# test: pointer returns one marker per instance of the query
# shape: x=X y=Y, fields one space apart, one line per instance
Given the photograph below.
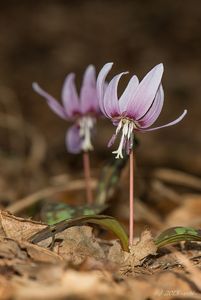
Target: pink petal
x=128 y=94
x=69 y=96
x=88 y=93
x=51 y=101
x=111 y=102
x=73 y=140
x=101 y=85
x=145 y=94
x=166 y=125
x=153 y=113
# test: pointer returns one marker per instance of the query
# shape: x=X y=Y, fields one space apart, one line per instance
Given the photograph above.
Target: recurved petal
x=101 y=85
x=73 y=140
x=128 y=93
x=51 y=101
x=69 y=96
x=153 y=113
x=88 y=93
x=140 y=103
x=166 y=125
x=110 y=101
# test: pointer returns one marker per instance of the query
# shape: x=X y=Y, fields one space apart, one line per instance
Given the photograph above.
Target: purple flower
x=81 y=111
x=138 y=107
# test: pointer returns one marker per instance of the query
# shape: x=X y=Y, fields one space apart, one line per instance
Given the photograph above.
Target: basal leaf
x=107 y=222
x=52 y=212
x=178 y=234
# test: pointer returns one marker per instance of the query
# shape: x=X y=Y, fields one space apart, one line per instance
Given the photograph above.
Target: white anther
x=86 y=125
x=127 y=127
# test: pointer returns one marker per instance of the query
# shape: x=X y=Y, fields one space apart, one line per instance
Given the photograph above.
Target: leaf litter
x=78 y=257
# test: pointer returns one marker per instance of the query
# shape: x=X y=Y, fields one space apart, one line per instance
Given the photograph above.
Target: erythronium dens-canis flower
x=82 y=111
x=136 y=110
x=138 y=107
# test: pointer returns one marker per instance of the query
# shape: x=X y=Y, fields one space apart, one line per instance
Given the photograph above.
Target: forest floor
x=44 y=42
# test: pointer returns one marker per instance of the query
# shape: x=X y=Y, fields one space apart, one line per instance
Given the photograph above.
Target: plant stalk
x=87 y=175
x=131 y=199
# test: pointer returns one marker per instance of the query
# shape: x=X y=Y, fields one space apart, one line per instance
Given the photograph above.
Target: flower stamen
x=127 y=127
x=86 y=125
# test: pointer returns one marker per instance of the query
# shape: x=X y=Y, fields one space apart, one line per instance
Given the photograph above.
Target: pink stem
x=86 y=164
x=131 y=199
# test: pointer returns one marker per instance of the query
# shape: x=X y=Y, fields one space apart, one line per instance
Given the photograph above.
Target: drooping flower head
x=138 y=107
x=81 y=110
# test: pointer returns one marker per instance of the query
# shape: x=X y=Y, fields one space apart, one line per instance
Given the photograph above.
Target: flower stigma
x=126 y=141
x=86 y=125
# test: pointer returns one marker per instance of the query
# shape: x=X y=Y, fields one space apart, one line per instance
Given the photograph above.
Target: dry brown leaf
x=6 y=289
x=10 y=249
x=98 y=285
x=46 y=273
x=22 y=250
x=139 y=251
x=188 y=214
x=92 y=264
x=164 y=198
x=140 y=289
x=164 y=285
x=176 y=177
x=72 y=285
x=194 y=274
x=169 y=285
x=18 y=228
x=40 y=254
x=116 y=254
x=77 y=244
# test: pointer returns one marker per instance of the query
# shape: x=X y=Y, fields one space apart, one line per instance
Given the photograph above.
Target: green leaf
x=178 y=234
x=106 y=222
x=109 y=179
x=54 y=212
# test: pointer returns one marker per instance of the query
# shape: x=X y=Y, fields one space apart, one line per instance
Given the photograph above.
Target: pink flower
x=81 y=111
x=138 y=107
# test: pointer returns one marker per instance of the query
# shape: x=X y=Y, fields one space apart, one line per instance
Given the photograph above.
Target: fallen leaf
x=116 y=254
x=187 y=214
x=72 y=285
x=139 y=251
x=6 y=288
x=10 y=249
x=176 y=177
x=18 y=228
x=77 y=243
x=40 y=254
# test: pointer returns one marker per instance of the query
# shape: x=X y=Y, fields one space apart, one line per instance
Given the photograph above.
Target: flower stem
x=131 y=199
x=86 y=165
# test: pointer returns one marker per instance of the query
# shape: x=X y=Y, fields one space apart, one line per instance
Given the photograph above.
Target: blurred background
x=45 y=40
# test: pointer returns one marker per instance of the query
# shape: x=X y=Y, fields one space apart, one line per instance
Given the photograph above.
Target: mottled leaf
x=52 y=212
x=107 y=222
x=178 y=234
